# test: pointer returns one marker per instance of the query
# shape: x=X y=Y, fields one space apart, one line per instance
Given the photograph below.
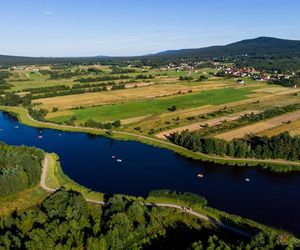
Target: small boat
x=119 y=160
x=1 y=129
x=113 y=157
x=16 y=126
x=247 y=179
x=200 y=175
x=40 y=137
x=60 y=134
x=41 y=131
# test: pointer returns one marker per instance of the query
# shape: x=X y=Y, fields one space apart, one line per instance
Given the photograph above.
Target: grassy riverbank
x=55 y=179
x=273 y=165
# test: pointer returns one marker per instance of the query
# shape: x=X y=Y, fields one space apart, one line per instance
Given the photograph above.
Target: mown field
x=158 y=105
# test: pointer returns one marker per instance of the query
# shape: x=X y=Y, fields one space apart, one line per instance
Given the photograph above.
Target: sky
x=138 y=27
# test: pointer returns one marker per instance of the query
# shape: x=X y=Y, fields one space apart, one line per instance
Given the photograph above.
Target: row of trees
x=282 y=146
x=20 y=168
x=109 y=125
x=102 y=78
x=11 y=99
x=290 y=82
x=66 y=221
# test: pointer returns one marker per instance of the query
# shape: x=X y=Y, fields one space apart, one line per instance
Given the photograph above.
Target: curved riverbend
x=268 y=197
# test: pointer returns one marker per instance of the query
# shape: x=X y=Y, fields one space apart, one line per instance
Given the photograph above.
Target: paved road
x=182 y=209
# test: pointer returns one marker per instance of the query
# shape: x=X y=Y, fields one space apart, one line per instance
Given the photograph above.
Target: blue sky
x=135 y=27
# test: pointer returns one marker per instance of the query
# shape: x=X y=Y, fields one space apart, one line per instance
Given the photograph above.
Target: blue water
x=268 y=198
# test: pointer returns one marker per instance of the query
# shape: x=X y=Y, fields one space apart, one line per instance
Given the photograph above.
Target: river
x=268 y=197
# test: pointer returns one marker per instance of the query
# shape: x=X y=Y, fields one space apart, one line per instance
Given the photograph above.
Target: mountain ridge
x=260 y=46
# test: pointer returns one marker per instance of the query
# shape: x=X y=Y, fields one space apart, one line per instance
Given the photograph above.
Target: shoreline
x=270 y=164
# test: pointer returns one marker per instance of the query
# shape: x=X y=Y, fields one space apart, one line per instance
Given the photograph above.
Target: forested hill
x=260 y=46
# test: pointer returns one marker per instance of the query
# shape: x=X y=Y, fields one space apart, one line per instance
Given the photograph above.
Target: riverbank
x=54 y=178
x=270 y=164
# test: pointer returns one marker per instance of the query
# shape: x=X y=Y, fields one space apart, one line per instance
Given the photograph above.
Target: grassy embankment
x=274 y=165
x=55 y=179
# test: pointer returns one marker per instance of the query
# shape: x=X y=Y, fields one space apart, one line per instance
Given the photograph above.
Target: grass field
x=125 y=95
x=156 y=106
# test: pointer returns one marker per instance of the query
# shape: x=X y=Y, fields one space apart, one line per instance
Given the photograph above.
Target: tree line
x=281 y=146
x=66 y=221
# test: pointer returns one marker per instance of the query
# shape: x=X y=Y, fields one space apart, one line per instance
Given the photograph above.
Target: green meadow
x=159 y=105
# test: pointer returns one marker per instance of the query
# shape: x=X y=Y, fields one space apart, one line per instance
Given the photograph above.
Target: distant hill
x=255 y=47
x=261 y=46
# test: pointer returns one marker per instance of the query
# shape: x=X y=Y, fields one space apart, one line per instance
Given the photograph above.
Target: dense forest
x=66 y=221
x=282 y=146
x=20 y=168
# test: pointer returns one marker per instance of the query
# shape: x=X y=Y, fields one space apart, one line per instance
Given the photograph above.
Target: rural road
x=182 y=209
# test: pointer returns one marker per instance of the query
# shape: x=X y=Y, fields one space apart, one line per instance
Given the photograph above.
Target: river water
x=268 y=198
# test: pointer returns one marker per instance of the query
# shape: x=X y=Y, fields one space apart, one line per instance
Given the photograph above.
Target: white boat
x=119 y=160
x=247 y=179
x=40 y=137
x=16 y=126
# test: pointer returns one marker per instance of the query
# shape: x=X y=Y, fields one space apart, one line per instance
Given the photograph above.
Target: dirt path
x=44 y=174
x=210 y=123
x=182 y=209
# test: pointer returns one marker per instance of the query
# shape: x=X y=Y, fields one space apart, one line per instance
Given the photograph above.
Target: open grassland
x=259 y=126
x=156 y=106
x=210 y=122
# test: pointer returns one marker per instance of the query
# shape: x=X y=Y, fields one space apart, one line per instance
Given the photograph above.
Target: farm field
x=211 y=122
x=293 y=127
x=259 y=126
x=117 y=96
x=144 y=104
x=171 y=120
x=155 y=106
